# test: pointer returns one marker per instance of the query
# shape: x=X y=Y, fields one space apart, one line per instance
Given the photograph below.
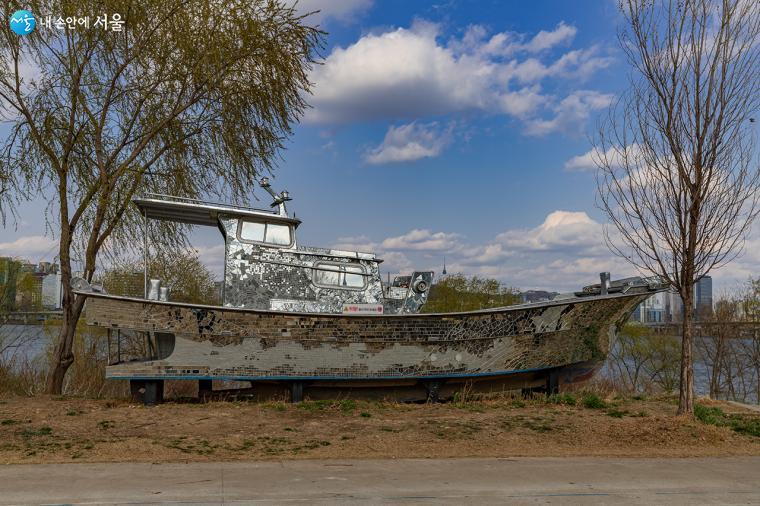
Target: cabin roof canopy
x=199 y=212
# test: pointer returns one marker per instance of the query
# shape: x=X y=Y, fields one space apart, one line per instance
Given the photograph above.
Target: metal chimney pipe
x=604 y=278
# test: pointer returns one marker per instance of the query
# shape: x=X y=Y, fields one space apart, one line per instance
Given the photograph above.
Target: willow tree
x=190 y=98
x=678 y=176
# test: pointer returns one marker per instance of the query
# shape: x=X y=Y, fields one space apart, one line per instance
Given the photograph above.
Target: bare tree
x=678 y=167
x=191 y=97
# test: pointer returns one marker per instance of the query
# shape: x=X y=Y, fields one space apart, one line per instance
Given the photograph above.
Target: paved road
x=414 y=481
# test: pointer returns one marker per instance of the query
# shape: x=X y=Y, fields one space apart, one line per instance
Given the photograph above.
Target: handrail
x=199 y=201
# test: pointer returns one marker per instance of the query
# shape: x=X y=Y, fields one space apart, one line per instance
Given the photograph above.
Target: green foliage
x=564 y=398
x=644 y=361
x=460 y=293
x=711 y=415
x=8 y=275
x=186 y=276
x=751 y=302
x=593 y=401
x=42 y=431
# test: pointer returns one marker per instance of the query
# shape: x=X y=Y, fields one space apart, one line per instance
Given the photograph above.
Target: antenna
x=443 y=272
x=279 y=200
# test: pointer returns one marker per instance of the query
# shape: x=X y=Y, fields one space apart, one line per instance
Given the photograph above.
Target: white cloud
x=422 y=239
x=413 y=141
x=582 y=162
x=213 y=258
x=614 y=156
x=547 y=39
x=571 y=113
x=564 y=252
x=31 y=247
x=341 y=10
x=409 y=73
x=559 y=231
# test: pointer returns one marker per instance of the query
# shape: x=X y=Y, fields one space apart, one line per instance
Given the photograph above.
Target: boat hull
x=570 y=337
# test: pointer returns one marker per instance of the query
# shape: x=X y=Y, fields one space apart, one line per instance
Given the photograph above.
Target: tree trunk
x=63 y=355
x=686 y=391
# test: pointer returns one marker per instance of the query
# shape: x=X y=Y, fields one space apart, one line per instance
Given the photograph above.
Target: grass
x=593 y=401
x=617 y=413
x=565 y=398
x=749 y=425
x=42 y=431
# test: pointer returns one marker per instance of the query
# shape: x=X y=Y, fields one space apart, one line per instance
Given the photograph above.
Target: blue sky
x=453 y=129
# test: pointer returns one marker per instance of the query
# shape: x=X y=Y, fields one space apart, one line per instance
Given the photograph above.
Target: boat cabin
x=265 y=268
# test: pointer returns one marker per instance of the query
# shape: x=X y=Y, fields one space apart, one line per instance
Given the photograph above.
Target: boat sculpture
x=314 y=319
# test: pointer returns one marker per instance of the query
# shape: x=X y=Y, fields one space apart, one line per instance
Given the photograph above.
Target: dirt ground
x=52 y=429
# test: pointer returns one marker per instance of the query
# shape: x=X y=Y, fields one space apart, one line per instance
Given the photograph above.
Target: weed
x=313 y=443
x=106 y=424
x=567 y=399
x=715 y=416
x=517 y=403
x=539 y=425
x=616 y=413
x=365 y=414
x=385 y=428
x=469 y=406
x=42 y=431
x=277 y=406
x=73 y=412
x=314 y=405
x=593 y=401
x=347 y=405
x=9 y=421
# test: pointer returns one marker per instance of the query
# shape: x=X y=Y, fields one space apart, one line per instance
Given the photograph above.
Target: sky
x=457 y=129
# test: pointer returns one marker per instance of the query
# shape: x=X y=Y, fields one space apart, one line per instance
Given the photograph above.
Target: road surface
x=411 y=481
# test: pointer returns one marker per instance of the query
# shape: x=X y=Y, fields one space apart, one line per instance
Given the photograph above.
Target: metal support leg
x=205 y=387
x=137 y=390
x=149 y=392
x=154 y=392
x=296 y=391
x=552 y=383
x=433 y=388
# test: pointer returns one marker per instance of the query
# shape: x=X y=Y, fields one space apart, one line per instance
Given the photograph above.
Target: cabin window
x=278 y=234
x=267 y=233
x=331 y=275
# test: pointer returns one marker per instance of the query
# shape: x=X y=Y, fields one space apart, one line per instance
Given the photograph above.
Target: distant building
x=28 y=287
x=652 y=310
x=52 y=291
x=703 y=296
x=667 y=307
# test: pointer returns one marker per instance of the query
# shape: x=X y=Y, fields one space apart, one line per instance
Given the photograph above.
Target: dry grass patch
x=52 y=429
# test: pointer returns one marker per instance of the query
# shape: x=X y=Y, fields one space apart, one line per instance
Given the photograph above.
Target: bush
x=593 y=401
x=567 y=399
x=738 y=423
